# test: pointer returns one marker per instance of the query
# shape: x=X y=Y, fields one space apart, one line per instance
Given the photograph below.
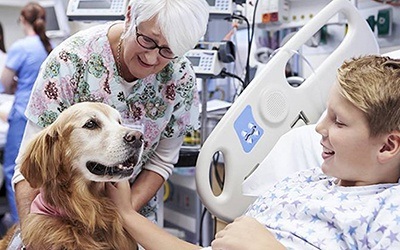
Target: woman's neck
x=28 y=29
x=117 y=47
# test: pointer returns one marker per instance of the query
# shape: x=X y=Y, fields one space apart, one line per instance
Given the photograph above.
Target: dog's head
x=88 y=141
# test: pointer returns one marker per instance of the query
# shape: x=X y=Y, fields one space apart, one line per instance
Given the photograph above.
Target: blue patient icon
x=247 y=129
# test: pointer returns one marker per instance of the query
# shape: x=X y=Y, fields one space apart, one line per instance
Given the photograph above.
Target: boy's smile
x=326 y=153
x=349 y=152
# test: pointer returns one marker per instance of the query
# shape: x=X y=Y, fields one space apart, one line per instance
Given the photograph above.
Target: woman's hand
x=245 y=233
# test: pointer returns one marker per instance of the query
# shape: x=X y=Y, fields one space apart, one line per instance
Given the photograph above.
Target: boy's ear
x=390 y=148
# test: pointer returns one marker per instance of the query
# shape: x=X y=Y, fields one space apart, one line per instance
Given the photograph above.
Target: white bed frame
x=269 y=106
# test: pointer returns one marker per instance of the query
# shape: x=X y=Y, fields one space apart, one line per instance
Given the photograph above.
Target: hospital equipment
x=205 y=62
x=221 y=8
x=57 y=23
x=272 y=12
x=96 y=9
x=183 y=209
x=209 y=63
x=269 y=106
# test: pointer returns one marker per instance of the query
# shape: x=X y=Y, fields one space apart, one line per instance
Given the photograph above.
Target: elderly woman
x=136 y=66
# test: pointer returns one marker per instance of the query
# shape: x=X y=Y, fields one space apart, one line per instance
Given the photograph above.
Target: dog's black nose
x=135 y=138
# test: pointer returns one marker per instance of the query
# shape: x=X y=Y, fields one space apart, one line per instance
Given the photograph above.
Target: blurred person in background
x=3 y=116
x=22 y=65
x=3 y=54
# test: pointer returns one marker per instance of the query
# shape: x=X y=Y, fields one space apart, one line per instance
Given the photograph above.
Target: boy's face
x=349 y=153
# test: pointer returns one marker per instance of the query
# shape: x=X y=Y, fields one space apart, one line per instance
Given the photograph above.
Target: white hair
x=182 y=22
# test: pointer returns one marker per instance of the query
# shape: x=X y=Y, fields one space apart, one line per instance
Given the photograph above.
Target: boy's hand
x=245 y=233
x=120 y=194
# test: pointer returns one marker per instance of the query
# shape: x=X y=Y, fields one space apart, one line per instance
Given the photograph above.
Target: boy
x=351 y=202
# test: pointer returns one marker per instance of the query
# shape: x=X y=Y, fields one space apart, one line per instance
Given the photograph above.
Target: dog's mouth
x=123 y=169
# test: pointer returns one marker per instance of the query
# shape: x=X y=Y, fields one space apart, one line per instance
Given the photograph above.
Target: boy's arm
x=143 y=232
x=141 y=229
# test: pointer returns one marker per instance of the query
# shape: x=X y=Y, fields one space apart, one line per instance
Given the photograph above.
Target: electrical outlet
x=371 y=22
x=384 y=22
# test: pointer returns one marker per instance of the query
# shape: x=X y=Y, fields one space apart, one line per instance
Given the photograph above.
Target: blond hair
x=372 y=83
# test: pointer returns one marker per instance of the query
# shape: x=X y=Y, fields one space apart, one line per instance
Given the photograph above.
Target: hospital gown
x=309 y=211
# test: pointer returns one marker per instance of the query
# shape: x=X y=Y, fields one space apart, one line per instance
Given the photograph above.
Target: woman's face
x=142 y=62
x=349 y=152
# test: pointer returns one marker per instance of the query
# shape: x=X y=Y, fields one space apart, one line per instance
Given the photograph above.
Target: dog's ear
x=41 y=158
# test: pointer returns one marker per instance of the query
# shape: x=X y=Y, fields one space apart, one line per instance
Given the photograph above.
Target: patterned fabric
x=82 y=69
x=309 y=211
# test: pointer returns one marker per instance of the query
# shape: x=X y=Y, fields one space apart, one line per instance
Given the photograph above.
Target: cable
x=225 y=73
x=250 y=34
x=201 y=226
x=249 y=41
x=297 y=53
x=247 y=75
x=220 y=181
x=215 y=226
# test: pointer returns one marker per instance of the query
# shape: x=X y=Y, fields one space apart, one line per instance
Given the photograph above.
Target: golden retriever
x=70 y=161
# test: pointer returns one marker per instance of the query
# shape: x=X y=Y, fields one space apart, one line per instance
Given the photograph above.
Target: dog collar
x=39 y=206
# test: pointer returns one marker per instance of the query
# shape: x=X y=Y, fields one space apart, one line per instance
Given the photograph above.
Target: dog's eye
x=91 y=124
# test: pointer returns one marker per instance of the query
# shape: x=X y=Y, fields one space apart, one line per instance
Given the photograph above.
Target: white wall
x=366 y=8
x=9 y=13
x=8 y=18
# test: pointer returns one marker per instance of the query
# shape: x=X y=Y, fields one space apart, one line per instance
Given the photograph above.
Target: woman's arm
x=144 y=188
x=8 y=81
x=24 y=194
x=146 y=233
x=157 y=169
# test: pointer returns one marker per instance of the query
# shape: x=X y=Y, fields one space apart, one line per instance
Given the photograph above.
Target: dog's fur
x=69 y=162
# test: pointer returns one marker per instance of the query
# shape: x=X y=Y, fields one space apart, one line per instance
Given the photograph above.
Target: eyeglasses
x=148 y=43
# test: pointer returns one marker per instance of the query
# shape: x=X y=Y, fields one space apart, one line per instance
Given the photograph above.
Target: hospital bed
x=269 y=107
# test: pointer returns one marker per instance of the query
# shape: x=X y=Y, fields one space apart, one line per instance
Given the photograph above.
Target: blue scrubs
x=25 y=57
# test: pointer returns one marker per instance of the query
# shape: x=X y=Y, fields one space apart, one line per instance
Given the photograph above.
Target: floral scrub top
x=82 y=68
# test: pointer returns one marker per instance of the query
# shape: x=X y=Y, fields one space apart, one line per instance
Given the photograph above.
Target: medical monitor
x=220 y=8
x=57 y=25
x=96 y=10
